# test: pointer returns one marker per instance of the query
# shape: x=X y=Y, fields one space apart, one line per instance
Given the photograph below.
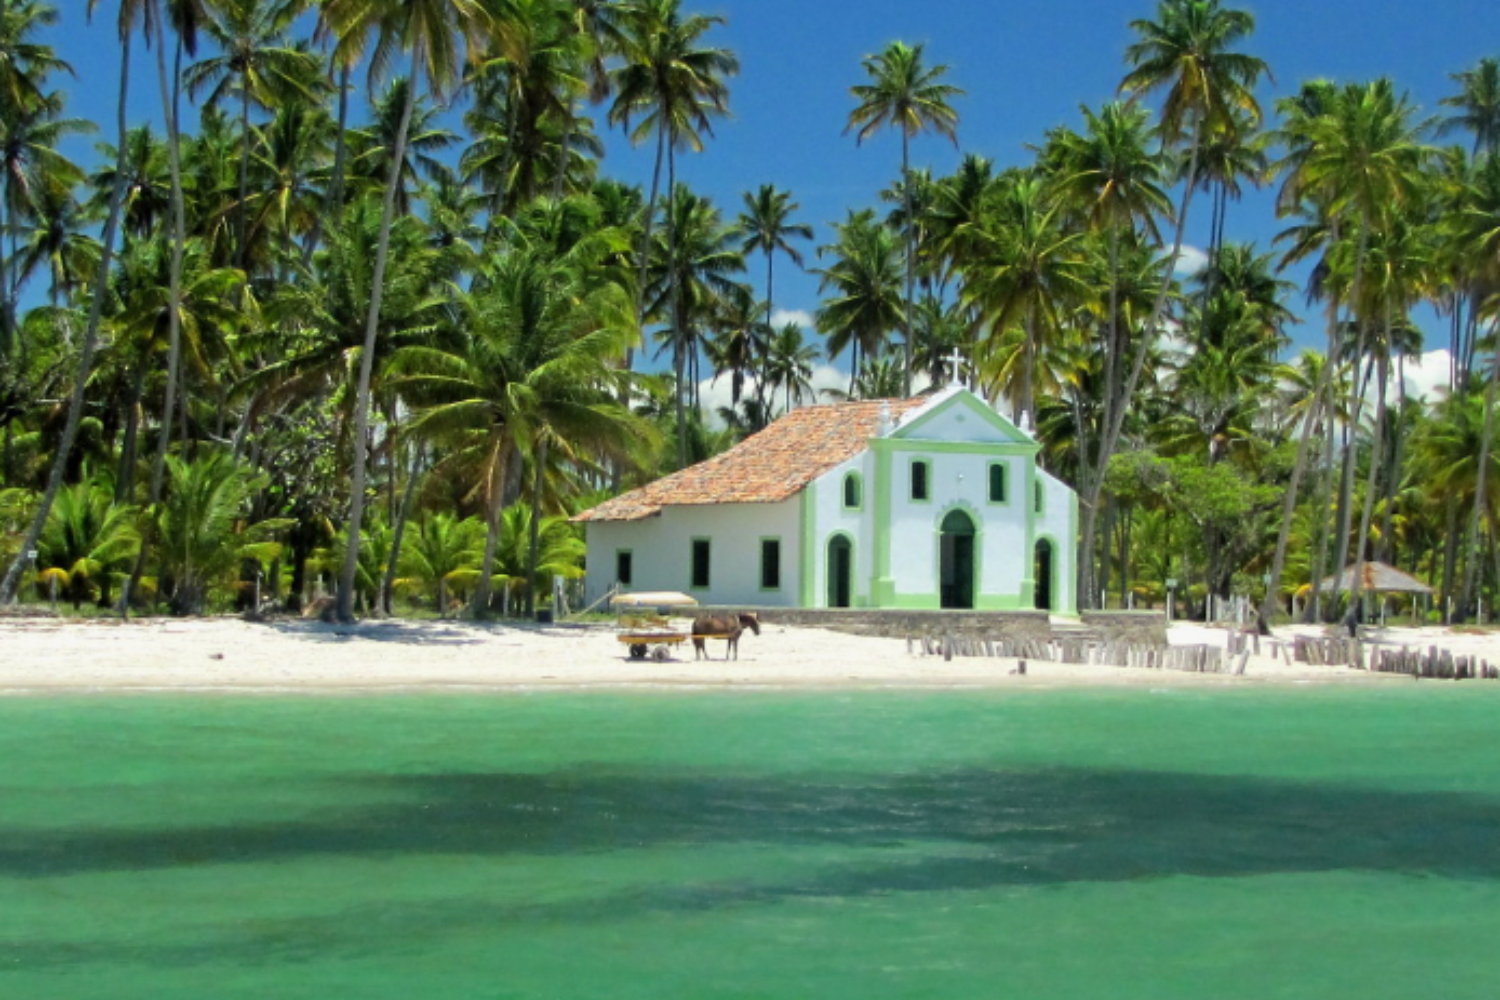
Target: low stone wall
x=1136 y=628
x=901 y=624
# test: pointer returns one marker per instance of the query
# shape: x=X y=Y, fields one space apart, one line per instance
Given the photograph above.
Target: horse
x=728 y=627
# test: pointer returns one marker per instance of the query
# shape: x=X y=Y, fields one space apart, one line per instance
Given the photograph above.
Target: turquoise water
x=1206 y=844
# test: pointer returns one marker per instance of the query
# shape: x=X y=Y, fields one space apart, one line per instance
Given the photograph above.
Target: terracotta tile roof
x=767 y=467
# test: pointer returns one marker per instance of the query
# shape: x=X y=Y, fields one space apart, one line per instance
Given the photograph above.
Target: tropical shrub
x=204 y=534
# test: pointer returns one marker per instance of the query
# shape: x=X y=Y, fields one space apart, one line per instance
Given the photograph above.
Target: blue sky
x=1026 y=67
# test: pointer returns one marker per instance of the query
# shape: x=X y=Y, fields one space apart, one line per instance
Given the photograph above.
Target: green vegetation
x=285 y=352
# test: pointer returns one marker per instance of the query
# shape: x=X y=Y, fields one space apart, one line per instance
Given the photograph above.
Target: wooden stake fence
x=1203 y=659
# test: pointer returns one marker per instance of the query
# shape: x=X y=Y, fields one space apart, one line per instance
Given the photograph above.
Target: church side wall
x=1059 y=526
x=828 y=517
x=661 y=552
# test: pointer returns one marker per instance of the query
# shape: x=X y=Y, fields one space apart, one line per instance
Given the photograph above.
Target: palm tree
x=905 y=95
x=34 y=172
x=766 y=225
x=255 y=65
x=738 y=344
x=1477 y=105
x=1110 y=177
x=60 y=242
x=673 y=86
x=89 y=536
x=372 y=147
x=531 y=550
x=205 y=533
x=864 y=281
x=288 y=174
x=30 y=126
x=1025 y=271
x=63 y=453
x=443 y=552
x=1364 y=157
x=687 y=280
x=432 y=33
x=789 y=365
x=1188 y=53
x=534 y=376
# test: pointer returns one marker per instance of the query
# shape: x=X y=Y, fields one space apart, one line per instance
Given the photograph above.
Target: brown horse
x=727 y=627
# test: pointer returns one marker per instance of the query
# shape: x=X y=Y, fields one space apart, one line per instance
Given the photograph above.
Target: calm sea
x=1244 y=843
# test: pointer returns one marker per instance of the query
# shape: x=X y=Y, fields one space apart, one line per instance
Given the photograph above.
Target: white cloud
x=1425 y=375
x=1190 y=261
x=803 y=318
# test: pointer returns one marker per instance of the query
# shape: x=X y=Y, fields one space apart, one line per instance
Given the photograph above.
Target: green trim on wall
x=807 y=558
x=996 y=450
x=882 y=589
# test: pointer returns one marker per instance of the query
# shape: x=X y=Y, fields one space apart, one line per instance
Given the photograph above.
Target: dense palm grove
x=291 y=354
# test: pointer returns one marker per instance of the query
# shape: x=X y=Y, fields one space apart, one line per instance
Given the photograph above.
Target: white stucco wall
x=662 y=558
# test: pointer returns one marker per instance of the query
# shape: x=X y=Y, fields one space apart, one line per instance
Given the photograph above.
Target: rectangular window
x=919 y=486
x=997 y=483
x=700 y=564
x=624 y=565
x=770 y=564
x=1038 y=498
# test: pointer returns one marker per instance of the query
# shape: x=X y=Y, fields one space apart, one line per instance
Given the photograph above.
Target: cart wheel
x=637 y=650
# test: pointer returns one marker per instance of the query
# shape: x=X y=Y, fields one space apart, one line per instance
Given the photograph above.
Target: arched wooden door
x=956 y=560
x=840 y=572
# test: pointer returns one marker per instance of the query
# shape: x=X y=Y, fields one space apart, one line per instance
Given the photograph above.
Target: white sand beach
x=42 y=655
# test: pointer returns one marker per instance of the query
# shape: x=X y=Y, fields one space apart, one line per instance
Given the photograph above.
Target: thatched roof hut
x=1376 y=578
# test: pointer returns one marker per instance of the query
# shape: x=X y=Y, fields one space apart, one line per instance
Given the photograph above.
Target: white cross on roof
x=955 y=361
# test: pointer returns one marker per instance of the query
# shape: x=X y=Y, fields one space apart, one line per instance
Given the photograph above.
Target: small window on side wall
x=920 y=474
x=1039 y=496
x=624 y=567
x=770 y=564
x=700 y=564
x=997 y=483
x=852 y=499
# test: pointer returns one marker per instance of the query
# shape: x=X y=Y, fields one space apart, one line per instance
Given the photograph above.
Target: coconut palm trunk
x=1299 y=467
x=1118 y=400
x=907 y=353
x=647 y=223
x=174 y=276
x=11 y=583
x=494 y=502
x=1481 y=479
x=345 y=603
x=534 y=543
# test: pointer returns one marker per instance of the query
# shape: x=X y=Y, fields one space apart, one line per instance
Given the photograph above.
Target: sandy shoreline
x=51 y=656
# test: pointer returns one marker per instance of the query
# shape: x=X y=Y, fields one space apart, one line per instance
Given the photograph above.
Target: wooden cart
x=644 y=625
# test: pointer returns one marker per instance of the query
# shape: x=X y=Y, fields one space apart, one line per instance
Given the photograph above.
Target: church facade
x=925 y=503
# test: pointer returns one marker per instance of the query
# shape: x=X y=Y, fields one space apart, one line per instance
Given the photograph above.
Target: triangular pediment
x=959 y=416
